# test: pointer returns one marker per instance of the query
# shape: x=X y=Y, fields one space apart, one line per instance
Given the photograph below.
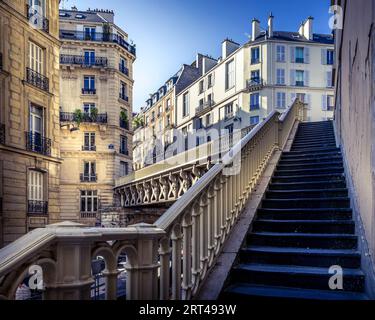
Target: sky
x=169 y=33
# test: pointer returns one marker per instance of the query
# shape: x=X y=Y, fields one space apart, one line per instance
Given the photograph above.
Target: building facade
x=96 y=64
x=250 y=81
x=29 y=116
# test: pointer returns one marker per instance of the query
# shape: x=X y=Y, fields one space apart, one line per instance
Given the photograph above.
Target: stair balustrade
x=193 y=231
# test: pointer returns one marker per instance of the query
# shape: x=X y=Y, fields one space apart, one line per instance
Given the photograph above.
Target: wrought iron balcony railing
x=88 y=148
x=2 y=133
x=228 y=116
x=35 y=142
x=86 y=117
x=124 y=97
x=254 y=84
x=88 y=177
x=83 y=61
x=254 y=107
x=204 y=107
x=124 y=124
x=36 y=207
x=89 y=215
x=124 y=69
x=37 y=80
x=36 y=18
x=124 y=151
x=88 y=91
x=98 y=37
x=300 y=84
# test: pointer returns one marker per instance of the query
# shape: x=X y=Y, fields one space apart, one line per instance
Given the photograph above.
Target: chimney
x=255 y=29
x=270 y=25
x=306 y=28
x=228 y=47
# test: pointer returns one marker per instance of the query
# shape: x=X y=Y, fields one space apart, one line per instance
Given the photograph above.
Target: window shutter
x=307 y=78
x=307 y=55
x=292 y=98
x=324 y=102
x=292 y=77
x=292 y=54
x=329 y=78
x=308 y=100
x=324 y=56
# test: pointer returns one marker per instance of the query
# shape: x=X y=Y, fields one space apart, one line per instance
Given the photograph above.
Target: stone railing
x=167 y=260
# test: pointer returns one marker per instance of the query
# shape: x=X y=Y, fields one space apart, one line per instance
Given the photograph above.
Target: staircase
x=303 y=227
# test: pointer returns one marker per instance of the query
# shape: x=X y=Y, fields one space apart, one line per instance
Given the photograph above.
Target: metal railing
x=88 y=91
x=124 y=124
x=88 y=148
x=2 y=133
x=35 y=17
x=124 y=97
x=37 y=80
x=35 y=142
x=88 y=177
x=254 y=84
x=124 y=69
x=37 y=207
x=206 y=106
x=125 y=152
x=83 y=61
x=86 y=117
x=169 y=259
x=97 y=37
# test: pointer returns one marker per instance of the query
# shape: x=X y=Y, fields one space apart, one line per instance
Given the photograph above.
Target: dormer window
x=80 y=16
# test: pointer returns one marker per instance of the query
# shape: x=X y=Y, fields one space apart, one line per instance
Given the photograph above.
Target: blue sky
x=169 y=33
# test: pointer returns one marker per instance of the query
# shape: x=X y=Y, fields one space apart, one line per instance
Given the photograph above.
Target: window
x=185 y=104
x=201 y=87
x=254 y=101
x=255 y=76
x=301 y=97
x=168 y=120
x=160 y=110
x=228 y=111
x=89 y=84
x=199 y=123
x=124 y=168
x=300 y=55
x=89 y=171
x=168 y=104
x=330 y=102
x=123 y=62
x=280 y=53
x=35 y=186
x=330 y=56
x=88 y=107
x=124 y=145
x=186 y=137
x=89 y=201
x=36 y=120
x=123 y=91
x=329 y=79
x=201 y=102
x=89 y=33
x=255 y=55
x=281 y=100
x=89 y=141
x=254 y=120
x=210 y=100
x=209 y=81
x=299 y=78
x=229 y=130
x=280 y=76
x=36 y=58
x=230 y=75
x=89 y=57
x=208 y=119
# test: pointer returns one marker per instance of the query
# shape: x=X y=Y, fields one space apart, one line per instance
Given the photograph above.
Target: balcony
x=37 y=80
x=254 y=107
x=89 y=215
x=38 y=21
x=300 y=60
x=228 y=116
x=254 y=84
x=255 y=60
x=300 y=84
x=88 y=148
x=330 y=108
x=88 y=177
x=2 y=133
x=39 y=208
x=124 y=69
x=88 y=91
x=124 y=97
x=35 y=142
x=97 y=37
x=86 y=117
x=206 y=106
x=83 y=61
x=125 y=152
x=124 y=124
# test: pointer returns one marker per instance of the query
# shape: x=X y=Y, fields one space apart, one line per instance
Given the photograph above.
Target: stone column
x=111 y=284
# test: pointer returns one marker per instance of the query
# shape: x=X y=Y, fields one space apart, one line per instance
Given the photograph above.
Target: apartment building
x=96 y=64
x=157 y=118
x=29 y=117
x=250 y=81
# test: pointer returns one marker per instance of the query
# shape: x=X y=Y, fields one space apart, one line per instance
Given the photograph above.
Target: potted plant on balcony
x=78 y=116
x=94 y=114
x=137 y=122
x=124 y=116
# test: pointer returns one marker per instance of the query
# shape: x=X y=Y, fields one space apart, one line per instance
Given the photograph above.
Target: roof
x=296 y=37
x=103 y=16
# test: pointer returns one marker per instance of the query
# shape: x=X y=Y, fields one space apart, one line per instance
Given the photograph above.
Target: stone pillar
x=111 y=284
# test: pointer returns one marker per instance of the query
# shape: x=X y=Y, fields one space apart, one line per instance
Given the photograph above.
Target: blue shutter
x=292 y=77
x=324 y=102
x=324 y=56
x=292 y=54
x=307 y=78
x=307 y=55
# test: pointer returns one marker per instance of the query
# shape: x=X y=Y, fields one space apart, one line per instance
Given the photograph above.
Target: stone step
x=305 y=214
x=295 y=166
x=334 y=202
x=346 y=258
x=307 y=193
x=246 y=291
x=311 y=151
x=329 y=177
x=313 y=145
x=309 y=156
x=306 y=172
x=296 y=276
x=316 y=160
x=304 y=226
x=315 y=185
x=303 y=240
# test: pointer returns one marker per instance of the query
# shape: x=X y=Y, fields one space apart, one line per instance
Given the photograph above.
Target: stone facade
x=29 y=114
x=96 y=73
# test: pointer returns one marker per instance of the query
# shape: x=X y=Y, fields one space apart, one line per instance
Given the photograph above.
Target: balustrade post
x=111 y=284
x=196 y=270
x=187 y=256
x=211 y=214
x=203 y=234
x=176 y=264
x=164 y=251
